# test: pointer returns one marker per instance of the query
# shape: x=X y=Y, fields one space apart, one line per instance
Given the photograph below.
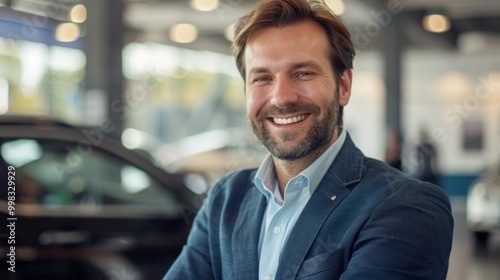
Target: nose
x=284 y=92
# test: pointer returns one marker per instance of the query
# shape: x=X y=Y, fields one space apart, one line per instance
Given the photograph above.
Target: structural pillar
x=392 y=48
x=103 y=44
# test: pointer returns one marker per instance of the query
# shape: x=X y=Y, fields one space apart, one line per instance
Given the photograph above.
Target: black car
x=76 y=204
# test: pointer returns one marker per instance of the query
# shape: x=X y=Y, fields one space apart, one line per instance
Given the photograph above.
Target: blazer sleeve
x=408 y=236
x=194 y=262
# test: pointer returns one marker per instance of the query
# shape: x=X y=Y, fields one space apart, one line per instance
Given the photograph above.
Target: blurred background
x=157 y=77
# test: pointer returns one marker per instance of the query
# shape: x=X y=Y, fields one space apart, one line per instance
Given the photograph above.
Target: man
x=316 y=208
x=427 y=162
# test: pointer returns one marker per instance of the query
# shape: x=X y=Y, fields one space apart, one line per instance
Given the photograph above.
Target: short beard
x=320 y=133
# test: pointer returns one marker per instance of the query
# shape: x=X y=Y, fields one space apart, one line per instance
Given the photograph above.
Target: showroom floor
x=465 y=262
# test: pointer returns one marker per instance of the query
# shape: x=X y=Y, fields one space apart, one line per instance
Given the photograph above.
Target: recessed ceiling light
x=78 y=14
x=204 y=5
x=436 y=23
x=67 y=32
x=229 y=32
x=183 y=33
x=337 y=6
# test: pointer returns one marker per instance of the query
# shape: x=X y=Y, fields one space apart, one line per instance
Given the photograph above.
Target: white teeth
x=289 y=120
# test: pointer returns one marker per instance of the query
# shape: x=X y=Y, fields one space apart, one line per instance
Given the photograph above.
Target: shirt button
x=276 y=230
x=268 y=277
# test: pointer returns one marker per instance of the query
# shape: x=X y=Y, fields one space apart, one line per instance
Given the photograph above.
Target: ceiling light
x=204 y=5
x=229 y=32
x=67 y=32
x=183 y=33
x=78 y=14
x=436 y=23
x=337 y=6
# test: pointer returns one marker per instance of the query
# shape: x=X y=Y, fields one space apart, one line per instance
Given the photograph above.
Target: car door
x=86 y=212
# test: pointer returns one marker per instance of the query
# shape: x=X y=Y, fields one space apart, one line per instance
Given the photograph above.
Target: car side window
x=57 y=173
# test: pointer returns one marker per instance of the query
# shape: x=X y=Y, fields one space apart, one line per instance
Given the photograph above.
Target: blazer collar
x=346 y=170
x=348 y=165
x=246 y=235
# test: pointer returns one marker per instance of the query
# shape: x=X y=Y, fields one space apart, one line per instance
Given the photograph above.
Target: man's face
x=291 y=92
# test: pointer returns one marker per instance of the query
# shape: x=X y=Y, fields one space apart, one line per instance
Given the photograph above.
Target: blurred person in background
x=316 y=208
x=427 y=161
x=393 y=149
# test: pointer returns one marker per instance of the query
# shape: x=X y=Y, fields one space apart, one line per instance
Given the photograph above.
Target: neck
x=287 y=169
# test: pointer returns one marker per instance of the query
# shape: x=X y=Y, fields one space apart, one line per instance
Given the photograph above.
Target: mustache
x=292 y=108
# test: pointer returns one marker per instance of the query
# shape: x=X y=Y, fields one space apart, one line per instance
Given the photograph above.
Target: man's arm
x=408 y=236
x=194 y=261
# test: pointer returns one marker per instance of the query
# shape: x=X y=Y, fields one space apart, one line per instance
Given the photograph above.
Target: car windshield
x=58 y=173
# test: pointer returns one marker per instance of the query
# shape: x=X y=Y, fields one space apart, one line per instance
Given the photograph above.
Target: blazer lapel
x=246 y=235
x=345 y=170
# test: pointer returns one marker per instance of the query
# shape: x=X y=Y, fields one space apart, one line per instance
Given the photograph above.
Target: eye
x=304 y=74
x=260 y=79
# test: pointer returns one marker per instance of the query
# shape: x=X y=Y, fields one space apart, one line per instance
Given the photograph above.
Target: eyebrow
x=294 y=66
x=308 y=63
x=255 y=70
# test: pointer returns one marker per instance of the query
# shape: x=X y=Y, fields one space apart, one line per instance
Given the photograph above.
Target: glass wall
x=39 y=79
x=173 y=93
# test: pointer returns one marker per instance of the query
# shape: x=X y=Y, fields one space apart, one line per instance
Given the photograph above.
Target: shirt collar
x=317 y=170
x=265 y=178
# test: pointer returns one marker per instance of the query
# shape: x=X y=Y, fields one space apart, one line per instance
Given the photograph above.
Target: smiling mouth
x=295 y=119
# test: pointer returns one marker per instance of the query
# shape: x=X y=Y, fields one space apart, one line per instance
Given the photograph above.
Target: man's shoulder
x=230 y=192
x=396 y=183
x=234 y=183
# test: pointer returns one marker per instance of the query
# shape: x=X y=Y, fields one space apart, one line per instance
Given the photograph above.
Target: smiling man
x=316 y=208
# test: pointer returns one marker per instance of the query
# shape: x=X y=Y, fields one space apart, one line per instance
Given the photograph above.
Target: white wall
x=364 y=115
x=443 y=90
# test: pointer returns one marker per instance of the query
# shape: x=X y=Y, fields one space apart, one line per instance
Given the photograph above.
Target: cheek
x=320 y=94
x=254 y=103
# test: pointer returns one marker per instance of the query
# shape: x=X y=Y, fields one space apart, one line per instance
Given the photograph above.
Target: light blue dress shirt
x=282 y=213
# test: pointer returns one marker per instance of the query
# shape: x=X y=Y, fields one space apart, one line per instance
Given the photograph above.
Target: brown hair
x=279 y=13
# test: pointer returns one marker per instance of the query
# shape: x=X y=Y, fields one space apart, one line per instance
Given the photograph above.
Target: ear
x=345 y=87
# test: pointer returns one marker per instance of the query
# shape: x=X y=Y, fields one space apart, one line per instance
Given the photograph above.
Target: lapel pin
x=333 y=197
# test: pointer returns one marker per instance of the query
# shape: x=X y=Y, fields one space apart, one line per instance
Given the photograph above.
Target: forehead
x=303 y=40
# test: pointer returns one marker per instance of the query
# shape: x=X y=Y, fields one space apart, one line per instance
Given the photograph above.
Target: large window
x=39 y=79
x=173 y=93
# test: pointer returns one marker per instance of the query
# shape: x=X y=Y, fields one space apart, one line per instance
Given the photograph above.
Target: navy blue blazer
x=365 y=220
